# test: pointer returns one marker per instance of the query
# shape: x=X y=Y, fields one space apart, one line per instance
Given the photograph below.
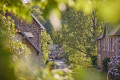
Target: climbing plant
x=46 y=41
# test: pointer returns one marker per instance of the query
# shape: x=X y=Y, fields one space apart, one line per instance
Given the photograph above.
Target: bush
x=118 y=67
x=50 y=63
x=105 y=64
x=94 y=60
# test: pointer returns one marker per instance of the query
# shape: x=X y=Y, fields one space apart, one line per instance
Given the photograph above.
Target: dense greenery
x=46 y=41
x=12 y=51
x=15 y=59
x=37 y=11
x=104 y=8
x=87 y=74
x=105 y=64
x=118 y=67
x=79 y=36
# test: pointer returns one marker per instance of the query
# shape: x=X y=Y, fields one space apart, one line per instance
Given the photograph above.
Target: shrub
x=50 y=63
x=94 y=60
x=105 y=64
x=118 y=67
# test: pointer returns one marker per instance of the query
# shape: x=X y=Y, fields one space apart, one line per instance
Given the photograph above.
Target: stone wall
x=35 y=59
x=106 y=47
x=118 y=45
x=32 y=27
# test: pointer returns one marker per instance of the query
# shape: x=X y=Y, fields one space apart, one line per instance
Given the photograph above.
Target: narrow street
x=61 y=66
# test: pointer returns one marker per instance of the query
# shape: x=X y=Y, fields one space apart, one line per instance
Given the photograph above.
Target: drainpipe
x=39 y=60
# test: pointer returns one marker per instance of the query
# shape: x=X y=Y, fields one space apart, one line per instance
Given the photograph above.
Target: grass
x=79 y=74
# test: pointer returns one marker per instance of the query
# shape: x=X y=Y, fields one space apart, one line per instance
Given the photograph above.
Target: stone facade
x=107 y=46
x=32 y=28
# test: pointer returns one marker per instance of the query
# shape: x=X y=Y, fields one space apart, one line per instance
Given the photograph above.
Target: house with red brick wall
x=30 y=35
x=108 y=43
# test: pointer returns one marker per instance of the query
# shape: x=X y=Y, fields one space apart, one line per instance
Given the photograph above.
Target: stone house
x=30 y=35
x=108 y=43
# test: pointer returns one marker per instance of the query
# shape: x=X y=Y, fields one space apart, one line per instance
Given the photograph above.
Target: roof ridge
x=38 y=21
x=115 y=29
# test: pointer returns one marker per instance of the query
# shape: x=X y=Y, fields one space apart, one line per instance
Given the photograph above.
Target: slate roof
x=27 y=35
x=29 y=40
x=100 y=36
x=110 y=30
x=41 y=26
x=115 y=31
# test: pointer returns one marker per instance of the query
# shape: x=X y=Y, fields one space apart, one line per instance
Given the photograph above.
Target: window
x=108 y=44
x=112 y=44
x=103 y=44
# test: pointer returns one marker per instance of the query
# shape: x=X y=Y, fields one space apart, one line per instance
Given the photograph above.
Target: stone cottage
x=30 y=35
x=108 y=43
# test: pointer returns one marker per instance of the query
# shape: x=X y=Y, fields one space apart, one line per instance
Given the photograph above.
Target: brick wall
x=106 y=47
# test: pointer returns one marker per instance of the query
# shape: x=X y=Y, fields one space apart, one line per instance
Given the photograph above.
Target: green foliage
x=50 y=63
x=80 y=74
x=11 y=51
x=79 y=37
x=62 y=38
x=104 y=8
x=17 y=7
x=94 y=59
x=46 y=41
x=15 y=62
x=38 y=12
x=105 y=64
x=118 y=67
x=6 y=69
